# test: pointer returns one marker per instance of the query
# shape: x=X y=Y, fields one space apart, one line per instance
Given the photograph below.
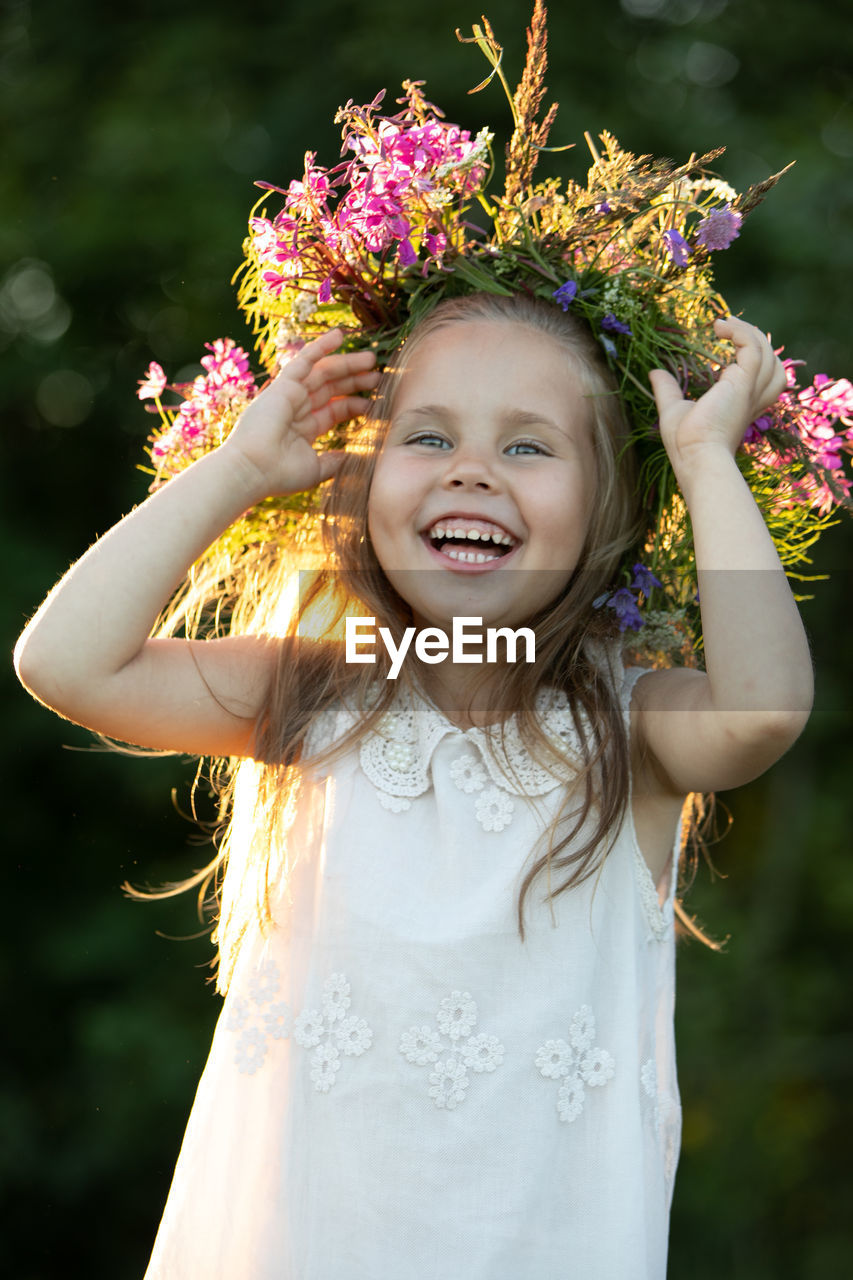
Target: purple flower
x=324 y=293
x=604 y=207
x=624 y=604
x=436 y=243
x=406 y=255
x=612 y=325
x=644 y=580
x=566 y=294
x=676 y=246
x=608 y=344
x=756 y=429
x=719 y=229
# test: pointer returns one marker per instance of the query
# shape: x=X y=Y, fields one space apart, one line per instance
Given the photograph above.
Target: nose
x=469 y=468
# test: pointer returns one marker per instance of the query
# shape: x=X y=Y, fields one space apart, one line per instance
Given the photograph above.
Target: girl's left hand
x=721 y=416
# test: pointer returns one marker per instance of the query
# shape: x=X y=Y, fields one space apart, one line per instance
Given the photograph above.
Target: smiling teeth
x=468 y=557
x=472 y=535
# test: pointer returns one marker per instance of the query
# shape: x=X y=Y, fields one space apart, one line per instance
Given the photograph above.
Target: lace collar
x=396 y=755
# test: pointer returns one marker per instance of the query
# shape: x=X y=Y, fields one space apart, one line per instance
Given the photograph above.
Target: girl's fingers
x=334 y=412
x=342 y=387
x=666 y=388
x=756 y=359
x=351 y=371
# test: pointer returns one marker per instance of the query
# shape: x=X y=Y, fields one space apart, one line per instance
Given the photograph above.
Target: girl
x=447 y=1044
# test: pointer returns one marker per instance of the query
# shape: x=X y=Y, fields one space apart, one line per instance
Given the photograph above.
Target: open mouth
x=470 y=542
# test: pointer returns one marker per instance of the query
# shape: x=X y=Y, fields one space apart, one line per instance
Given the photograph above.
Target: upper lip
x=468 y=518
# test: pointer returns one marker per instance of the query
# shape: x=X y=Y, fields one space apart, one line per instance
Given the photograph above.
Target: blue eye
x=525 y=447
x=429 y=438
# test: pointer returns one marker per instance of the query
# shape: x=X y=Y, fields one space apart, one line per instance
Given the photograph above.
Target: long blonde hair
x=258 y=796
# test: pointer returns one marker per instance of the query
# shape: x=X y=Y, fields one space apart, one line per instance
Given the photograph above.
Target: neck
x=467 y=700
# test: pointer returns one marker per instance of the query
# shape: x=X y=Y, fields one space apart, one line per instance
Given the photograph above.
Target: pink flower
x=151 y=387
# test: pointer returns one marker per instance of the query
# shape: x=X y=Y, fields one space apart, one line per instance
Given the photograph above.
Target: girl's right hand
x=314 y=392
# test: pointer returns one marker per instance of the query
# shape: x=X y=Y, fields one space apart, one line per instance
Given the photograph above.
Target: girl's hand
x=721 y=416
x=272 y=441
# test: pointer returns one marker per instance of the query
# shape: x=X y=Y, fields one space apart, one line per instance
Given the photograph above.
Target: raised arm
x=719 y=729
x=87 y=653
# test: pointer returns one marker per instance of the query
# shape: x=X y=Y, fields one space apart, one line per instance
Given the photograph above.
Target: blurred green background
x=131 y=139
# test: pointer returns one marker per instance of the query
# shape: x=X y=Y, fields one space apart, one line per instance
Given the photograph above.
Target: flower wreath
x=373 y=243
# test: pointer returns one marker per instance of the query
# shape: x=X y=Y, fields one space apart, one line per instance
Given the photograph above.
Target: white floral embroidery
x=448 y=1083
x=554 y=1059
x=336 y=998
x=308 y=1028
x=263 y=982
x=483 y=1053
x=278 y=1021
x=570 y=1098
x=420 y=1045
x=456 y=1015
x=238 y=1014
x=456 y=1018
x=494 y=809
x=394 y=804
x=660 y=919
x=577 y=1062
x=597 y=1067
x=649 y=1078
x=582 y=1028
x=257 y=1017
x=329 y=1032
x=251 y=1050
x=354 y=1035
x=665 y=1114
x=468 y=774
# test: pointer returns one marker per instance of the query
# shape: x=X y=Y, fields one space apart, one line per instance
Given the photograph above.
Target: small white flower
x=468 y=774
x=483 y=1053
x=449 y=1081
x=309 y=1028
x=457 y=1015
x=597 y=1067
x=570 y=1098
x=303 y=307
x=278 y=1021
x=582 y=1029
x=285 y=335
x=554 y=1059
x=263 y=982
x=494 y=809
x=354 y=1035
x=420 y=1045
x=238 y=1014
x=250 y=1051
x=336 y=997
x=327 y=1055
x=324 y=1075
x=394 y=804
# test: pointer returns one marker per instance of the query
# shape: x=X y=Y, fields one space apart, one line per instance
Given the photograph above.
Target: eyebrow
x=513 y=417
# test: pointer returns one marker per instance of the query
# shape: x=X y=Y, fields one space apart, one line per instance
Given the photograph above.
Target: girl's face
x=481 y=496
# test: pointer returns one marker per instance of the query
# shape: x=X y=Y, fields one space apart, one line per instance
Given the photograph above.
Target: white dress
x=398 y=1087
